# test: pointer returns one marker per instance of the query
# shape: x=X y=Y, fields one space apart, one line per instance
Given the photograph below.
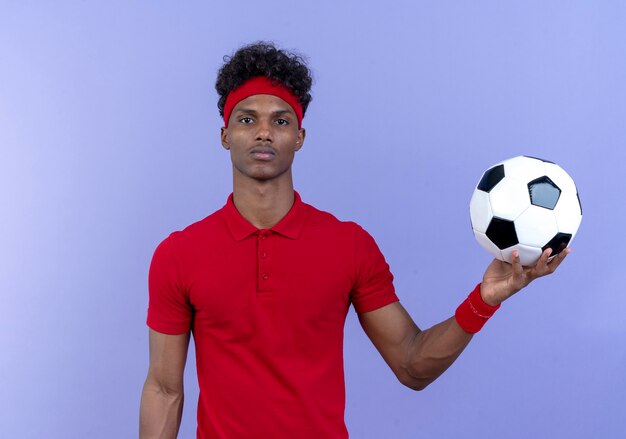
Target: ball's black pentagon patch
x=537 y=158
x=579 y=204
x=502 y=233
x=558 y=243
x=491 y=178
x=543 y=192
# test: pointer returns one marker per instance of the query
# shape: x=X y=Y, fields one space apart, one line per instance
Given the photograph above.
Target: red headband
x=261 y=85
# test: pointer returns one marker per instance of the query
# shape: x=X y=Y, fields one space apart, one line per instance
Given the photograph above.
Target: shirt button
x=265 y=276
x=263 y=236
x=264 y=255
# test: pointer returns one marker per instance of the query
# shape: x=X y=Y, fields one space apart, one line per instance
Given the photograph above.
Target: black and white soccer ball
x=525 y=204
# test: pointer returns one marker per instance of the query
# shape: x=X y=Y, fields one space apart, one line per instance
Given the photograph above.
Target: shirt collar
x=289 y=226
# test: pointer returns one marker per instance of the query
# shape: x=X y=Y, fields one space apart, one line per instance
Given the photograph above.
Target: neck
x=263 y=204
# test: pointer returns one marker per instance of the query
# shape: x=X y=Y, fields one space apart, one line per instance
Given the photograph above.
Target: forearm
x=432 y=351
x=160 y=412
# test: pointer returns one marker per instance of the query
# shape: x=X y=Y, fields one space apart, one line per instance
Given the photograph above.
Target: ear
x=300 y=139
x=224 y=137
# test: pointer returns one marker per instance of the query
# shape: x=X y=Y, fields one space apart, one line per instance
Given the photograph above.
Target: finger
x=518 y=273
x=541 y=266
x=518 y=270
x=556 y=261
x=543 y=259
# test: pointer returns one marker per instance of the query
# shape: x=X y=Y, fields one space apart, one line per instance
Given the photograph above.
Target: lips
x=262 y=153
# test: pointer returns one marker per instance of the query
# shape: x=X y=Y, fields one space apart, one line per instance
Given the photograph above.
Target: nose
x=264 y=132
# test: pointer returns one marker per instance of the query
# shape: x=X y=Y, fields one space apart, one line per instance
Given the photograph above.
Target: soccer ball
x=525 y=204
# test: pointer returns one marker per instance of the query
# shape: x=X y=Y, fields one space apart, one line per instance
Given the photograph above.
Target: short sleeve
x=373 y=288
x=169 y=310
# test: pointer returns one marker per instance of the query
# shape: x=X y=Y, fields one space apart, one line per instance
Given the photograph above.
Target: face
x=262 y=137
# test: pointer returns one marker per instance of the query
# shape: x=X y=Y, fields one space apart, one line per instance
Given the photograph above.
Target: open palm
x=501 y=279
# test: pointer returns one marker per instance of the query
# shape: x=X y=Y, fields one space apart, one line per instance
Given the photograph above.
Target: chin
x=265 y=173
x=261 y=172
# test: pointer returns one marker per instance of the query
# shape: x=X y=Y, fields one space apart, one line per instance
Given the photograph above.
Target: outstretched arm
x=162 y=396
x=418 y=357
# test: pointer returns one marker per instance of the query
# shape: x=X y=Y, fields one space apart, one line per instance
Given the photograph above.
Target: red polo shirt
x=267 y=309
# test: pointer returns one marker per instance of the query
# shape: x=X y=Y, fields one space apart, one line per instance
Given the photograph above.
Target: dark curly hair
x=264 y=59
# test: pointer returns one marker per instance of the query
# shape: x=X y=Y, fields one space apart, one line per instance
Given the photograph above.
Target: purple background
x=109 y=138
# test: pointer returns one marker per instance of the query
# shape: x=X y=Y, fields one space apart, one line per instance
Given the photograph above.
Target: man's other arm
x=162 y=396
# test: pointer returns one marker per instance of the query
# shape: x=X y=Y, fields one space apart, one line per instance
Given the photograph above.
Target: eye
x=282 y=122
x=246 y=120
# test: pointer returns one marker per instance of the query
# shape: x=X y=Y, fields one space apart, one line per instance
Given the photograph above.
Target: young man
x=265 y=284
